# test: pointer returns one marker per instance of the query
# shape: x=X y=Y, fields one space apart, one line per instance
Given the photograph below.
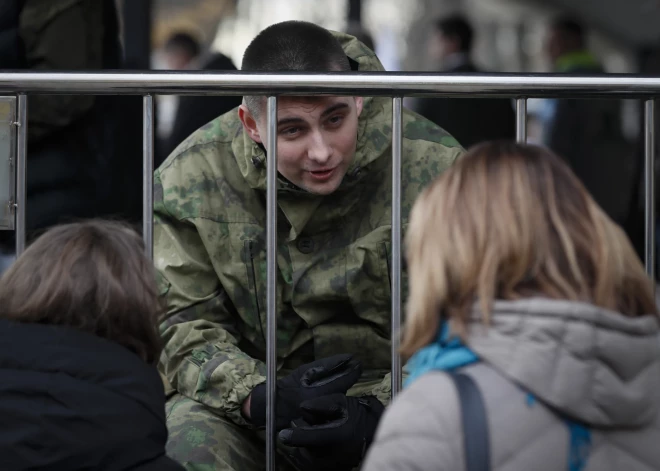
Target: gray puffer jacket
x=593 y=365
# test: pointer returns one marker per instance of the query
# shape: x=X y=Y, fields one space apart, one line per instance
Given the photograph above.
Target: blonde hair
x=509 y=221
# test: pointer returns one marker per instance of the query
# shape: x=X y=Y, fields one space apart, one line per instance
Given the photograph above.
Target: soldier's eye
x=290 y=131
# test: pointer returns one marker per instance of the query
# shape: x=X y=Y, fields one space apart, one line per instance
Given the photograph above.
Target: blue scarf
x=444 y=354
x=448 y=353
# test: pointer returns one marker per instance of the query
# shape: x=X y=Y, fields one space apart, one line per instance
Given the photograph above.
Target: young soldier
x=333 y=279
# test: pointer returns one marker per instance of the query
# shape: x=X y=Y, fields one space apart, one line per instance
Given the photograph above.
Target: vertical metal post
x=649 y=186
x=148 y=174
x=521 y=120
x=271 y=277
x=21 y=174
x=397 y=139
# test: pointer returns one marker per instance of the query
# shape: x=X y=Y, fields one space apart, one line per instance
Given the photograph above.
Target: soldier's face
x=316 y=139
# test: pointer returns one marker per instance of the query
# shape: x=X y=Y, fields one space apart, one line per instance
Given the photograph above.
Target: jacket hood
x=70 y=400
x=591 y=364
x=374 y=130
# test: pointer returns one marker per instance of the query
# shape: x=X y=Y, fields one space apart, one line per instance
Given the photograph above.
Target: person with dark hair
x=566 y=45
x=78 y=327
x=333 y=277
x=181 y=49
x=588 y=133
x=456 y=36
x=470 y=120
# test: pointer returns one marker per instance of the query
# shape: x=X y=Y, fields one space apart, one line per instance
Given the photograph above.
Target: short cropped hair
x=457 y=27
x=184 y=42
x=91 y=276
x=569 y=26
x=295 y=46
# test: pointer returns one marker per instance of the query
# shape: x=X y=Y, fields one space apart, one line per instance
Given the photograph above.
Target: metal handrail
x=337 y=83
x=394 y=85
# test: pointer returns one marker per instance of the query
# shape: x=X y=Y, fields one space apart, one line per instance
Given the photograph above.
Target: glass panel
x=7 y=161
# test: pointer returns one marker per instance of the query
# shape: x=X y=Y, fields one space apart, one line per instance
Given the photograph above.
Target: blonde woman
x=519 y=282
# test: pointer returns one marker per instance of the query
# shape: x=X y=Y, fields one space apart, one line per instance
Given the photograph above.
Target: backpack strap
x=476 y=439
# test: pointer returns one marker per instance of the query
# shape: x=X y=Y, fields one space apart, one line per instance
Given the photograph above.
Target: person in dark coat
x=79 y=388
x=12 y=54
x=75 y=163
x=469 y=120
x=588 y=133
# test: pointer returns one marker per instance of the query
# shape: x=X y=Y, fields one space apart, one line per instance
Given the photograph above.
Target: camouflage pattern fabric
x=333 y=282
x=205 y=442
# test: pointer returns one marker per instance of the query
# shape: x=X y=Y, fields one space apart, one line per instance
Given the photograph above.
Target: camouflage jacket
x=333 y=282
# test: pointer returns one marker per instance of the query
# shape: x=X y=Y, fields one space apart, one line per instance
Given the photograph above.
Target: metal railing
x=395 y=85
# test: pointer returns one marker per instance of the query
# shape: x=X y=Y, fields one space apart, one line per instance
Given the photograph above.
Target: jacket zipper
x=254 y=286
x=387 y=262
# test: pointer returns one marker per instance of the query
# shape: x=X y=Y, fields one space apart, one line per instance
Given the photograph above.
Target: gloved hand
x=331 y=375
x=334 y=432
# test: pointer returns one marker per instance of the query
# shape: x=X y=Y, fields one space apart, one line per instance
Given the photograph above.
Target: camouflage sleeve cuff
x=238 y=395
x=225 y=378
x=202 y=362
x=383 y=390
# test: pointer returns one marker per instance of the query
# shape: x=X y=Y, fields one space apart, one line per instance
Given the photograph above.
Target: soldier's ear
x=249 y=123
x=359 y=103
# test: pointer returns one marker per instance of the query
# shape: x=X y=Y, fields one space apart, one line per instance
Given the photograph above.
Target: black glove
x=334 y=432
x=331 y=375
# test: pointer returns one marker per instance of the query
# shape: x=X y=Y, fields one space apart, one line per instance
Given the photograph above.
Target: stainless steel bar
x=521 y=120
x=367 y=84
x=271 y=274
x=649 y=186
x=21 y=174
x=148 y=174
x=397 y=139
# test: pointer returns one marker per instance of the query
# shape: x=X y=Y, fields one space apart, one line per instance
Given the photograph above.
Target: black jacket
x=471 y=120
x=588 y=134
x=71 y=401
x=82 y=169
x=11 y=46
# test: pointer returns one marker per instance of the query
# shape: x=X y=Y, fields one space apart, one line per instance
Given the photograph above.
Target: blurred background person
x=469 y=120
x=188 y=113
x=75 y=163
x=521 y=283
x=194 y=111
x=78 y=327
x=587 y=132
x=181 y=51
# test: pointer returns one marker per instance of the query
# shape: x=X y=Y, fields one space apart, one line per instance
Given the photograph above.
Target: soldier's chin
x=323 y=189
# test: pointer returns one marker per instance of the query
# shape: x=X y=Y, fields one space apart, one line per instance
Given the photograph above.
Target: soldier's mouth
x=322 y=175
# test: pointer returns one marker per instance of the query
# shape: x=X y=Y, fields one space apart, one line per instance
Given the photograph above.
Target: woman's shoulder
x=430 y=404
x=420 y=429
